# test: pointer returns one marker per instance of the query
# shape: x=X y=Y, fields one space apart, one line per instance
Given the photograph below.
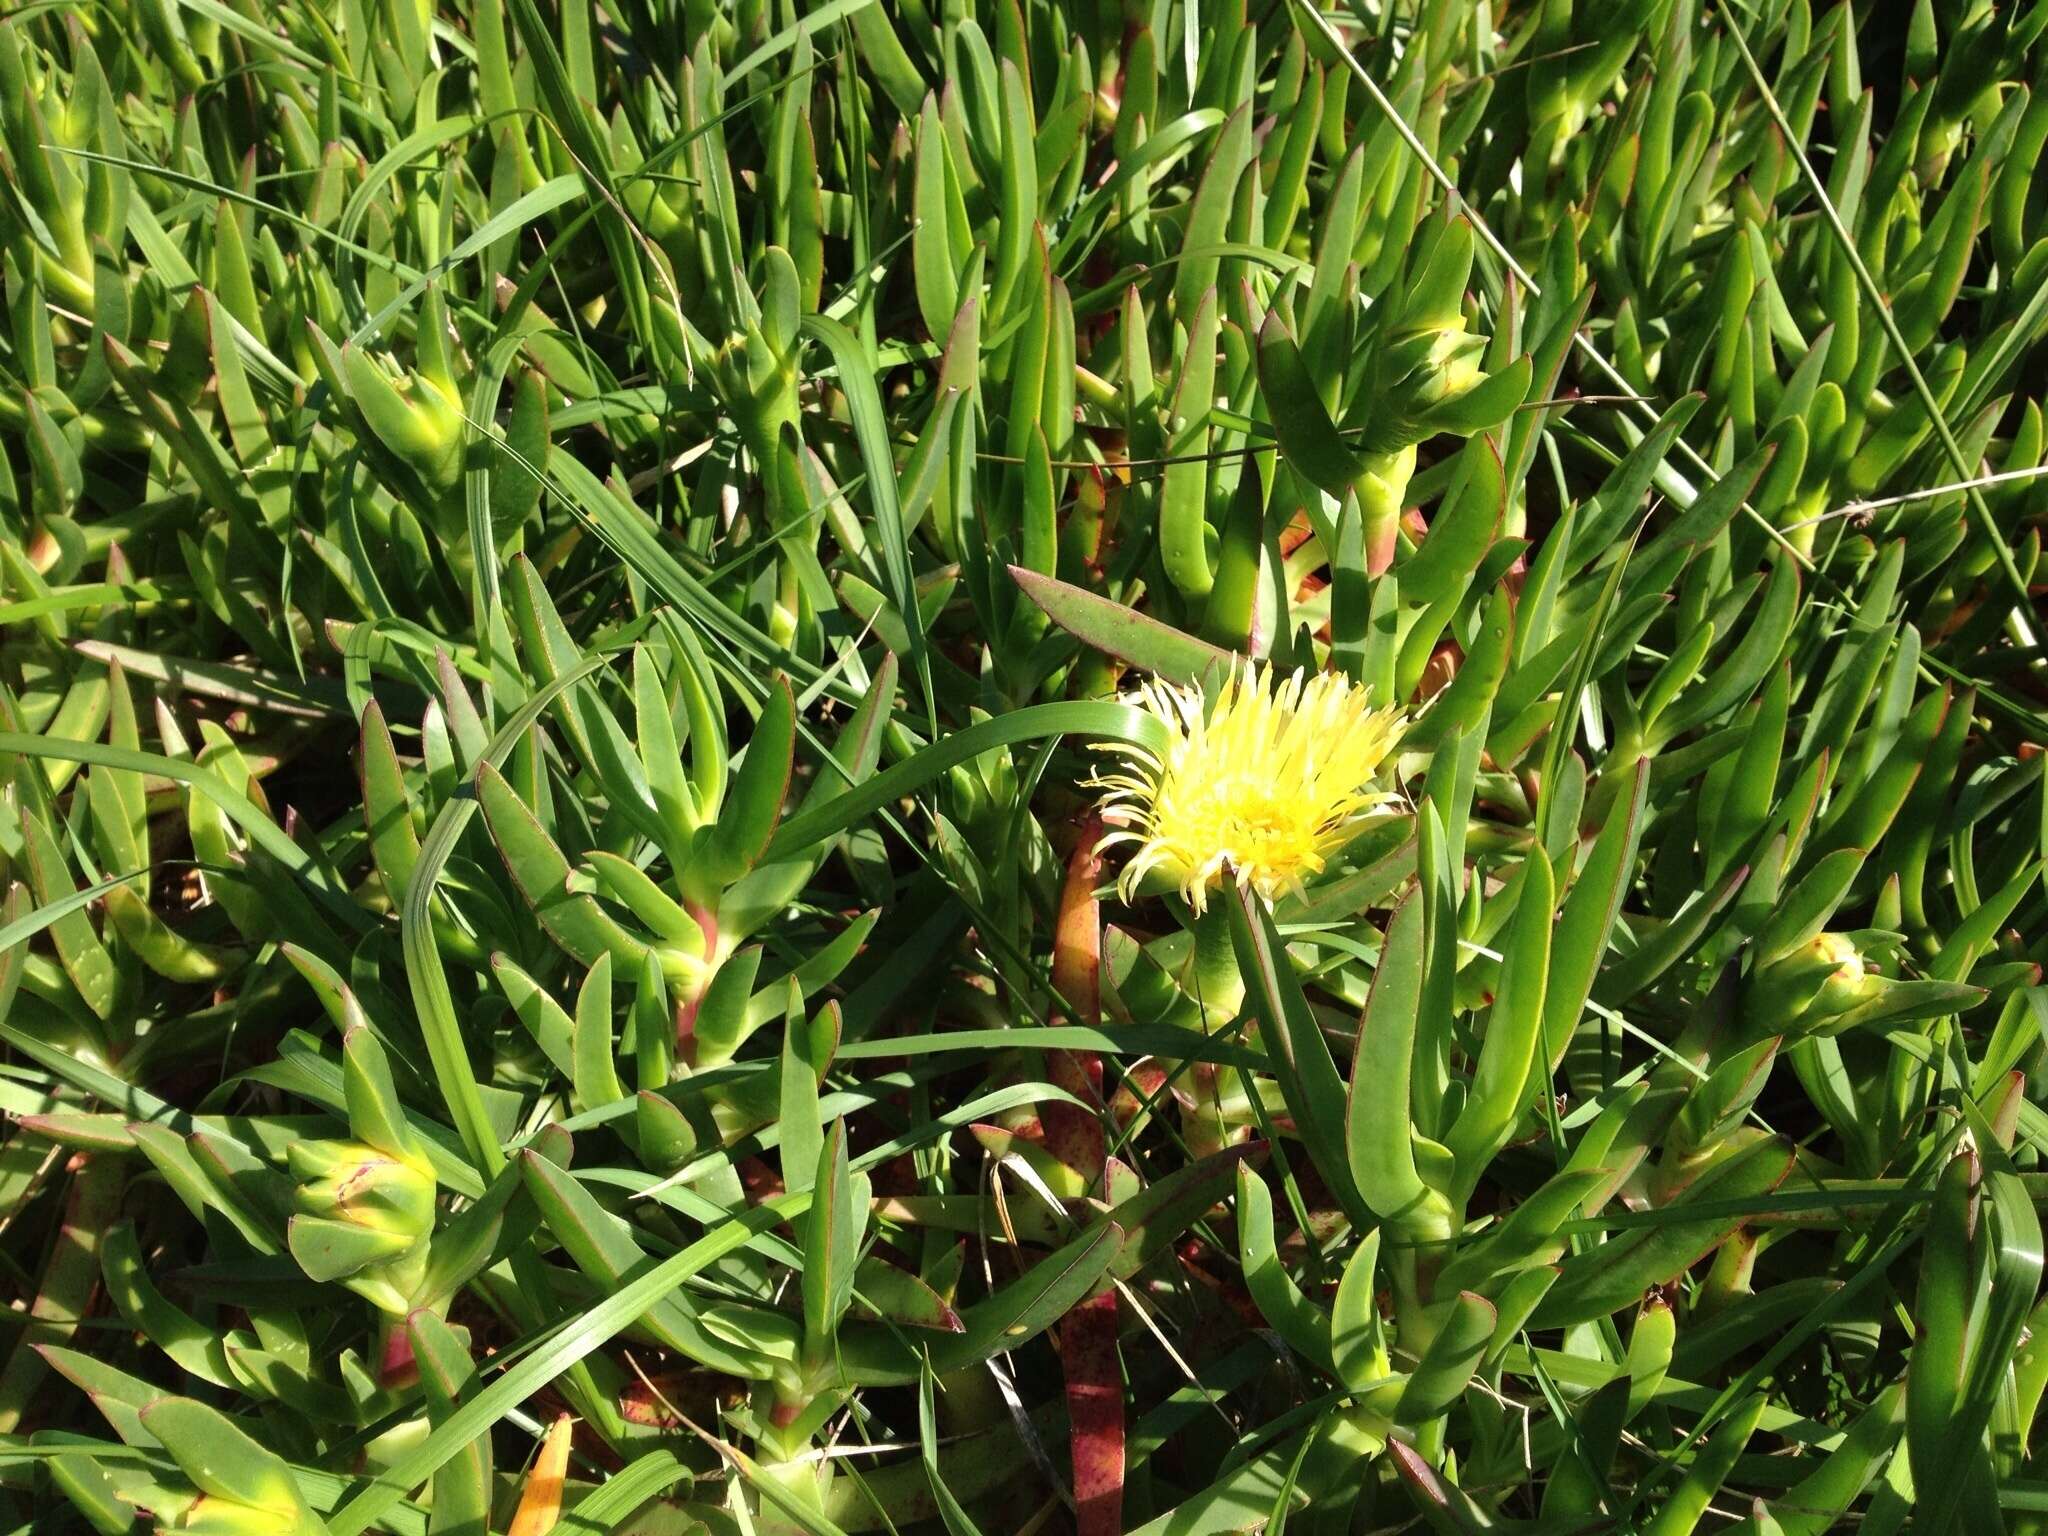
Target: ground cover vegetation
x=1041 y=766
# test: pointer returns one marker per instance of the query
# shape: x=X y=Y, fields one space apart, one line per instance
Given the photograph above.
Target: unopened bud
x=1822 y=978
x=1450 y=366
x=364 y=1218
x=415 y=416
x=1420 y=375
x=347 y=1181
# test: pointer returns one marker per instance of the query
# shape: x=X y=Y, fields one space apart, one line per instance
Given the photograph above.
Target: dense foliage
x=646 y=888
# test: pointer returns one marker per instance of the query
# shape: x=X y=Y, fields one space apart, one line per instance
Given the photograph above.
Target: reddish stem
x=686 y=1010
x=1095 y=1386
x=396 y=1367
x=1095 y=1412
x=1072 y=1134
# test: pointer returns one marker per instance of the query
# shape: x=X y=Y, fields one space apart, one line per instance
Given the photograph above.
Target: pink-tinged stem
x=686 y=1010
x=396 y=1367
x=1095 y=1412
x=1072 y=1134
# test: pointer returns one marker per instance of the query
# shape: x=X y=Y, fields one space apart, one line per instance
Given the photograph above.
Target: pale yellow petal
x=1262 y=787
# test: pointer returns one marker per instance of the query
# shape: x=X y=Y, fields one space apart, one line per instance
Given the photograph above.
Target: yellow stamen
x=1262 y=787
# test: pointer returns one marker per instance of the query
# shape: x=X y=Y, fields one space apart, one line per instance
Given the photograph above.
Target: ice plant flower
x=1261 y=787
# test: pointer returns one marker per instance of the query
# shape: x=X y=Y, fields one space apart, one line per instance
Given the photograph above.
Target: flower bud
x=1442 y=365
x=1821 y=979
x=1420 y=374
x=350 y=1181
x=414 y=415
x=364 y=1218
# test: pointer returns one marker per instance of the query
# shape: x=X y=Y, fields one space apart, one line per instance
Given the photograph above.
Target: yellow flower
x=1262 y=787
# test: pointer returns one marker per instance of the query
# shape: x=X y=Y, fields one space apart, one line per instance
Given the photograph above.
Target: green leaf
x=1941 y=1317
x=1447 y=1364
x=600 y=1245
x=572 y=919
x=593 y=1072
x=1586 y=921
x=1295 y=1046
x=425 y=973
x=1462 y=530
x=1462 y=705
x=1113 y=722
x=1155 y=1217
x=1308 y=438
x=1682 y=1510
x=746 y=820
x=1304 y=1325
x=1377 y=1139
x=1123 y=632
x=1514 y=1031
x=1357 y=1341
x=387 y=807
x=1604 y=1279
x=832 y=1239
x=542 y=1016
x=85 y=958
x=224 y=1463
x=463 y=1484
